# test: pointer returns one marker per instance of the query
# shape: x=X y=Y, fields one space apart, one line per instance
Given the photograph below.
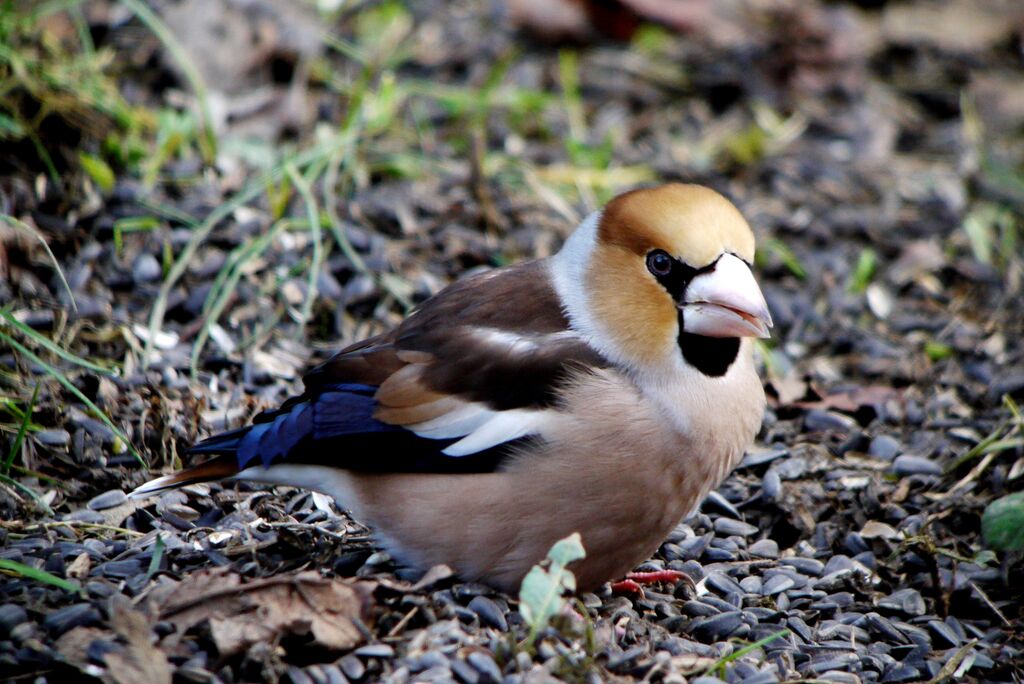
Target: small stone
x=944 y=634
x=752 y=584
x=297 y=676
x=108 y=499
x=731 y=527
x=489 y=612
x=778 y=584
x=764 y=548
x=121 y=569
x=826 y=421
x=53 y=438
x=76 y=615
x=807 y=566
x=146 y=269
x=877 y=624
x=909 y=464
x=375 y=651
x=792 y=468
x=718 y=627
x=464 y=672
x=12 y=615
x=757 y=457
x=722 y=583
x=884 y=447
x=86 y=516
x=771 y=486
x=905 y=601
x=697 y=608
x=693 y=548
x=900 y=673
x=352 y=666
x=485 y=665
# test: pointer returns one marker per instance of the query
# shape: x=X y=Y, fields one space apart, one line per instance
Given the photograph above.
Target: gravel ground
x=873 y=148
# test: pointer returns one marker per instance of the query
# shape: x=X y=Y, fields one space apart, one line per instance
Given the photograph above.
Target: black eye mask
x=712 y=356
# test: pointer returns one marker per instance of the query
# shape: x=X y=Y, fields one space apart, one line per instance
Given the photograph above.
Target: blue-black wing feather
x=334 y=426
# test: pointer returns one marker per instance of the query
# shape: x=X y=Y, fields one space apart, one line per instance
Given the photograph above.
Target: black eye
x=659 y=263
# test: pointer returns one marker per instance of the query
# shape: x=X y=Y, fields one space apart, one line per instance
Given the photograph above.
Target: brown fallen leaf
x=849 y=401
x=431 y=577
x=139 y=660
x=332 y=612
x=73 y=645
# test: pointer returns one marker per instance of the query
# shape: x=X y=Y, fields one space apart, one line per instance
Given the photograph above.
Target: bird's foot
x=632 y=584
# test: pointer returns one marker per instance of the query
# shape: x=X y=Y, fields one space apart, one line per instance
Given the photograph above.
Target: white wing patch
x=503 y=426
x=458 y=422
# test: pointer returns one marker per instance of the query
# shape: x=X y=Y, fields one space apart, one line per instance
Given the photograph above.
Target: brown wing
x=490 y=344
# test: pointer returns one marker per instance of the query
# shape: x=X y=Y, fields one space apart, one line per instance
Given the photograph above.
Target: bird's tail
x=216 y=468
x=338 y=412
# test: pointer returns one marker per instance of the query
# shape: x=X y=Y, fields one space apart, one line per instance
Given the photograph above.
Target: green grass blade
x=22 y=429
x=720 y=664
x=11 y=482
x=247 y=194
x=62 y=379
x=44 y=341
x=21 y=225
x=28 y=572
x=208 y=140
x=306 y=193
x=158 y=554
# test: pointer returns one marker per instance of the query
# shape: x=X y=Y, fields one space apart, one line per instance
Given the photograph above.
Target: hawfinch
x=605 y=390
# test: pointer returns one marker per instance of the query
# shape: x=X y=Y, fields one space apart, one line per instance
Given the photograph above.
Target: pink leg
x=633 y=581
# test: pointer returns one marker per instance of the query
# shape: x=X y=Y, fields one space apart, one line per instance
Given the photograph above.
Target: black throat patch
x=712 y=356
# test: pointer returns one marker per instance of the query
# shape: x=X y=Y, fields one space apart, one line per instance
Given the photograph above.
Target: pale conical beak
x=726 y=302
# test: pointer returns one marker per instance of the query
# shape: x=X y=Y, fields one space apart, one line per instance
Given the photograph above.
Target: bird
x=605 y=390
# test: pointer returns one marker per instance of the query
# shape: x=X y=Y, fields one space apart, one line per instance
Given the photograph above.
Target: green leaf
x=63 y=379
x=1002 y=523
x=99 y=171
x=28 y=572
x=158 y=554
x=937 y=351
x=864 y=271
x=778 y=249
x=22 y=429
x=541 y=593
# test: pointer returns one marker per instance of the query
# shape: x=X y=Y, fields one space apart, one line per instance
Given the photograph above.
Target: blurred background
x=201 y=198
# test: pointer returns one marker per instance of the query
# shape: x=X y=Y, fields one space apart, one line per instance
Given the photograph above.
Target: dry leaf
x=73 y=645
x=79 y=568
x=849 y=401
x=330 y=611
x=139 y=660
x=431 y=577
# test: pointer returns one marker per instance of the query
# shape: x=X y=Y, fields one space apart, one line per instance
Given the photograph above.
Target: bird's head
x=662 y=272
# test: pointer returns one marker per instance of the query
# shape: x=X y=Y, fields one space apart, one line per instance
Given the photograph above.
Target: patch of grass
x=1009 y=434
x=541 y=595
x=718 y=668
x=21 y=225
x=28 y=334
x=937 y=351
x=52 y=78
x=207 y=138
x=768 y=134
x=35 y=574
x=19 y=439
x=864 y=271
x=993 y=224
x=995 y=233
x=27 y=491
x=773 y=248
